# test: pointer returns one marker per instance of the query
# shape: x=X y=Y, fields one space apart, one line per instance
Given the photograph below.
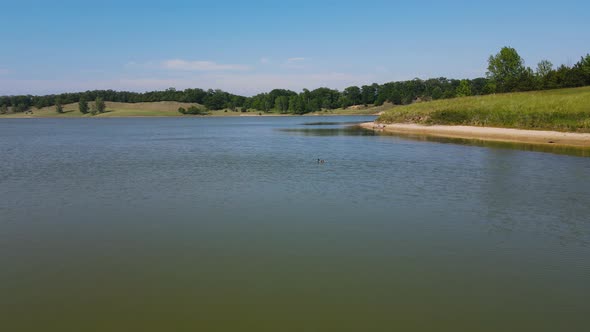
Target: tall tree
x=505 y=69
x=368 y=93
x=21 y=107
x=584 y=67
x=395 y=97
x=216 y=99
x=544 y=67
x=98 y=106
x=83 y=105
x=352 y=96
x=464 y=89
x=58 y=106
x=282 y=104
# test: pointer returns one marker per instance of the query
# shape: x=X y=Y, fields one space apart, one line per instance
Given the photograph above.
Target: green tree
x=380 y=100
x=58 y=106
x=584 y=68
x=437 y=93
x=297 y=104
x=505 y=69
x=282 y=104
x=293 y=103
x=489 y=88
x=544 y=67
x=216 y=99
x=83 y=105
x=464 y=89
x=40 y=103
x=368 y=93
x=478 y=86
x=234 y=102
x=313 y=106
x=21 y=107
x=527 y=80
x=193 y=110
x=352 y=96
x=3 y=109
x=98 y=106
x=395 y=97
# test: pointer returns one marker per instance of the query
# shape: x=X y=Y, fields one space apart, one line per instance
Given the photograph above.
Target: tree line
x=506 y=73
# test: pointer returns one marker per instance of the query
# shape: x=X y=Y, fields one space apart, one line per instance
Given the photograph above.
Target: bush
x=20 y=108
x=98 y=106
x=83 y=106
x=193 y=110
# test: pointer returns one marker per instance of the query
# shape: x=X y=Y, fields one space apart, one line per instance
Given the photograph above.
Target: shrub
x=193 y=110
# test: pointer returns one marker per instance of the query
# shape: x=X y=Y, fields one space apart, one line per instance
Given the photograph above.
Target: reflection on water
x=329 y=123
x=348 y=130
x=567 y=150
x=344 y=131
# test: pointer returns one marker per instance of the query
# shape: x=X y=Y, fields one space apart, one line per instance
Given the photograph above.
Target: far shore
x=170 y=109
x=213 y=115
x=486 y=133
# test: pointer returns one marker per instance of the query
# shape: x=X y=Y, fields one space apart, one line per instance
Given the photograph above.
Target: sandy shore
x=487 y=133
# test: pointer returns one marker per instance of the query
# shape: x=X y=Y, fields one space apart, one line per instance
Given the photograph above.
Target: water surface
x=230 y=224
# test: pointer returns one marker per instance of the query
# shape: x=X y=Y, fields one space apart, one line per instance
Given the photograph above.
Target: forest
x=506 y=73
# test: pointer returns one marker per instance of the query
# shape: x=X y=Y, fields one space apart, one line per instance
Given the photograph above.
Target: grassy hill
x=356 y=110
x=560 y=110
x=169 y=109
x=113 y=109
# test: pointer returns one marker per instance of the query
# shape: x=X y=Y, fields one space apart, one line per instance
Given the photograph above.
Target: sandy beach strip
x=486 y=133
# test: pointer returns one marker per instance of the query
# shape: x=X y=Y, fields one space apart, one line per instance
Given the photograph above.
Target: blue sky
x=248 y=47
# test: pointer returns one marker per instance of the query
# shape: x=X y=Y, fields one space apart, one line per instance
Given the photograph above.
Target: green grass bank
x=566 y=110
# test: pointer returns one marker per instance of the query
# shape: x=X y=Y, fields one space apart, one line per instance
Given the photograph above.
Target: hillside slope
x=559 y=110
x=170 y=109
x=113 y=109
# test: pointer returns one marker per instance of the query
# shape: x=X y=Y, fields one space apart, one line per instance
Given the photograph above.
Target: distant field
x=355 y=110
x=113 y=109
x=170 y=109
x=561 y=110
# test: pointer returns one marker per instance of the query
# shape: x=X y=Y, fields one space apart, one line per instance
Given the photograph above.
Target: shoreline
x=10 y=116
x=540 y=137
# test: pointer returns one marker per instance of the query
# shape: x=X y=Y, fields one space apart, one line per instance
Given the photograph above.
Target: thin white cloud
x=179 y=64
x=143 y=65
x=4 y=71
x=249 y=83
x=297 y=59
x=264 y=60
x=295 y=63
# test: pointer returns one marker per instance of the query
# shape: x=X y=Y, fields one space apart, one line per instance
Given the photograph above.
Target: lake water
x=230 y=224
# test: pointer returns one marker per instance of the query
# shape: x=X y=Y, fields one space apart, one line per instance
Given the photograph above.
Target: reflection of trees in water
x=329 y=123
x=344 y=131
x=557 y=149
